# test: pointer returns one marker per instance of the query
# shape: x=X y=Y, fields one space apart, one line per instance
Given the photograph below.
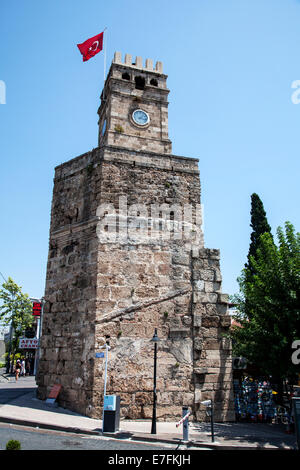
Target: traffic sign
x=99 y=354
x=36 y=309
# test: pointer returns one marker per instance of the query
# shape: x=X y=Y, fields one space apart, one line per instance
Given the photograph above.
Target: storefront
x=29 y=348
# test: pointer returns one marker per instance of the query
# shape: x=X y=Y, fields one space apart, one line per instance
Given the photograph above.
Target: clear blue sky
x=230 y=64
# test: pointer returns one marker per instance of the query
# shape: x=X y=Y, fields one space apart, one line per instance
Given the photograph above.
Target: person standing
x=23 y=367
x=17 y=369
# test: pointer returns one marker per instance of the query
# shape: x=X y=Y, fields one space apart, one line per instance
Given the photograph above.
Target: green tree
x=268 y=305
x=259 y=225
x=16 y=310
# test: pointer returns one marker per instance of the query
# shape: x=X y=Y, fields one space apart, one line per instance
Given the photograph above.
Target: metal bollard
x=185 y=423
x=185 y=414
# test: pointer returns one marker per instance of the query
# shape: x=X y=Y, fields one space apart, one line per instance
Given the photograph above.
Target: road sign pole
x=106 y=360
x=39 y=310
x=36 y=357
x=105 y=380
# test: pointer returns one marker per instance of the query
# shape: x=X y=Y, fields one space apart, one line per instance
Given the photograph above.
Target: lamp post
x=155 y=340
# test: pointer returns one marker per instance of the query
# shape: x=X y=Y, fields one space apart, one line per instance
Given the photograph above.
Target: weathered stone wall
x=121 y=290
x=212 y=350
x=68 y=328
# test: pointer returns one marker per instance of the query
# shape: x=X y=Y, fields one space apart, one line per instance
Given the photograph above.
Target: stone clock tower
x=135 y=105
x=126 y=256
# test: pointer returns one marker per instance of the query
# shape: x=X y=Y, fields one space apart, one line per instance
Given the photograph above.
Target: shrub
x=13 y=445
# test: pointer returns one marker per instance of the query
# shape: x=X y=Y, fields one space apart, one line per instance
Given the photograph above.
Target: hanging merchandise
x=254 y=400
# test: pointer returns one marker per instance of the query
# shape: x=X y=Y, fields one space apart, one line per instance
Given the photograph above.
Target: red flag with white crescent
x=91 y=46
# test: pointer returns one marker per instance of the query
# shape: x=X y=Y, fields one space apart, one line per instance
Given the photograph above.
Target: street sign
x=99 y=354
x=296 y=408
x=28 y=343
x=36 y=309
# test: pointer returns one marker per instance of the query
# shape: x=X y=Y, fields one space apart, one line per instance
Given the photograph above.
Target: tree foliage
x=259 y=225
x=15 y=308
x=268 y=304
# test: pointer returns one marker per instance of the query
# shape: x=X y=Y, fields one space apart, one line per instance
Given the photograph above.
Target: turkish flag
x=91 y=46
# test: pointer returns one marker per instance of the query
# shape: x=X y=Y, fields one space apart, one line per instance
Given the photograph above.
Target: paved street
x=37 y=439
x=10 y=392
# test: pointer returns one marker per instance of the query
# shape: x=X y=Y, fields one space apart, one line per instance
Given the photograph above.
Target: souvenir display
x=254 y=400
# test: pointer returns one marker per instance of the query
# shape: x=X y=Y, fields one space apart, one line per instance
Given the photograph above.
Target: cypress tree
x=259 y=225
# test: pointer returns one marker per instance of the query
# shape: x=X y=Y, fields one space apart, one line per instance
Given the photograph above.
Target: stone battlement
x=138 y=63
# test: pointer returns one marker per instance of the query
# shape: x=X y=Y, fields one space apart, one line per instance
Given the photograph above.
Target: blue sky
x=230 y=67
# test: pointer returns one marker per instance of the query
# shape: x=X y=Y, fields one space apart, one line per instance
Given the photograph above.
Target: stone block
x=225 y=321
x=223 y=298
x=198 y=344
x=128 y=59
x=118 y=57
x=197 y=321
x=210 y=321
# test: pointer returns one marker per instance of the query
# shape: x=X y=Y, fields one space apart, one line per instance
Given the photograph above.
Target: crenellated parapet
x=138 y=63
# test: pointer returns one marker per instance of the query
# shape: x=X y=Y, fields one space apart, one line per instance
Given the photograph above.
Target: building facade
x=126 y=256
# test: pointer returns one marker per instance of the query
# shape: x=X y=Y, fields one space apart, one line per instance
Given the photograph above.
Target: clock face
x=140 y=117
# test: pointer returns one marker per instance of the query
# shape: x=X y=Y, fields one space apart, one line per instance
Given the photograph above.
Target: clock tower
x=134 y=106
x=127 y=257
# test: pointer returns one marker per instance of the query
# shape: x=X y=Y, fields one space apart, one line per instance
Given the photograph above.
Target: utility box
x=111 y=413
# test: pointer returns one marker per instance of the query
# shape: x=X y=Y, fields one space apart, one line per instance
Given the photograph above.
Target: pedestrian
x=18 y=369
x=23 y=367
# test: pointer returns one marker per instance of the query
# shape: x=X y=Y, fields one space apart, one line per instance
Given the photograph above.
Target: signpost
x=101 y=355
x=210 y=412
x=37 y=311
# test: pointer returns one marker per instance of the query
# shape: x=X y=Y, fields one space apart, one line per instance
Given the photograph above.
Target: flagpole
x=105 y=41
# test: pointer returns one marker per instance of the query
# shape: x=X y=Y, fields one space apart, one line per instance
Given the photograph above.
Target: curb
x=123 y=435
x=54 y=427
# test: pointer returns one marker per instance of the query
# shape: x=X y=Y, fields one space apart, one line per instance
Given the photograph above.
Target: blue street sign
x=100 y=354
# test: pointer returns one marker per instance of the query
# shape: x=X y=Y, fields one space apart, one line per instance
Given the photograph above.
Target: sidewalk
x=22 y=407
